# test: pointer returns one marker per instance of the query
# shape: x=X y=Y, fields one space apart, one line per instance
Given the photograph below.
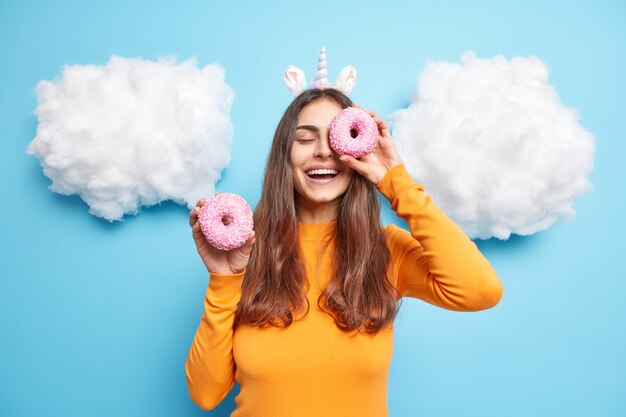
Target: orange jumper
x=311 y=368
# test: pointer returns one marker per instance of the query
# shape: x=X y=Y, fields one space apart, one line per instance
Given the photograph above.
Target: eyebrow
x=309 y=127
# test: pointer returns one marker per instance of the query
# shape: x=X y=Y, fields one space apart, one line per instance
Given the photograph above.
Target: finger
x=193 y=216
x=247 y=247
x=376 y=118
x=199 y=237
x=384 y=129
x=382 y=126
x=196 y=231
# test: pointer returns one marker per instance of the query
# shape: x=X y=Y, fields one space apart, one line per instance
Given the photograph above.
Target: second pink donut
x=226 y=221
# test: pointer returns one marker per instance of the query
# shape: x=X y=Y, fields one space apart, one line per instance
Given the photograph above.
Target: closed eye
x=305 y=140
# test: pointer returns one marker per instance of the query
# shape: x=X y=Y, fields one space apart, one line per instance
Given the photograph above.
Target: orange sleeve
x=210 y=366
x=435 y=262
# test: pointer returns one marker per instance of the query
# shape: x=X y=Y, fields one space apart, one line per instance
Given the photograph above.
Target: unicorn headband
x=296 y=80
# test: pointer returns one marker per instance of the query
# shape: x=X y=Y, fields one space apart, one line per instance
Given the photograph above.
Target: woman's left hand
x=375 y=165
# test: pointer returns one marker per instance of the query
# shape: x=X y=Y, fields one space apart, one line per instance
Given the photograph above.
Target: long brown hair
x=359 y=296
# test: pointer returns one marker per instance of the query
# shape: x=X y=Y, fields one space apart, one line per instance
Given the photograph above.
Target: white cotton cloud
x=134 y=133
x=494 y=146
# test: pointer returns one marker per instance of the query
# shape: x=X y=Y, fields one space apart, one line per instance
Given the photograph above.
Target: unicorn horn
x=321 y=79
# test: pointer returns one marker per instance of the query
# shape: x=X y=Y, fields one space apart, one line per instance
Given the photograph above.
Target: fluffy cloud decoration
x=494 y=146
x=134 y=133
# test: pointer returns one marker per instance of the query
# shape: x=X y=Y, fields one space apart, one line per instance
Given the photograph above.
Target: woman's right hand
x=218 y=261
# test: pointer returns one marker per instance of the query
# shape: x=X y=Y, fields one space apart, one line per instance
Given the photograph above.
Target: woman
x=302 y=315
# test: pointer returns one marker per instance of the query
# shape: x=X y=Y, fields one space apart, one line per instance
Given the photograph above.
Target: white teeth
x=321 y=172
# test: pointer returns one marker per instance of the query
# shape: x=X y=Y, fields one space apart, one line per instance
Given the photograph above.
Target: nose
x=323 y=149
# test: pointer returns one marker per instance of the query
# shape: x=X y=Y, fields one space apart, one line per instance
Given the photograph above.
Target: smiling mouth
x=322 y=174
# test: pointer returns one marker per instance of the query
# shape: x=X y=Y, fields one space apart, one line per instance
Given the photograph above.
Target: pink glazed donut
x=226 y=221
x=353 y=132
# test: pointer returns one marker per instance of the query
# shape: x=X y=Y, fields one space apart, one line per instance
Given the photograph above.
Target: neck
x=317 y=213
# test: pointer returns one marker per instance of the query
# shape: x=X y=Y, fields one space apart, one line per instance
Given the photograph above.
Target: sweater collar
x=315 y=231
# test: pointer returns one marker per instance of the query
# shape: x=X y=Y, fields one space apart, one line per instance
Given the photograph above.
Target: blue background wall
x=96 y=318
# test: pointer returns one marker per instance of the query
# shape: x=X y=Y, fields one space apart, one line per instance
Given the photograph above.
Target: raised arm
x=436 y=261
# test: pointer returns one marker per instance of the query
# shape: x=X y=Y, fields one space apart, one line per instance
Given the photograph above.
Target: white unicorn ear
x=347 y=79
x=295 y=80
